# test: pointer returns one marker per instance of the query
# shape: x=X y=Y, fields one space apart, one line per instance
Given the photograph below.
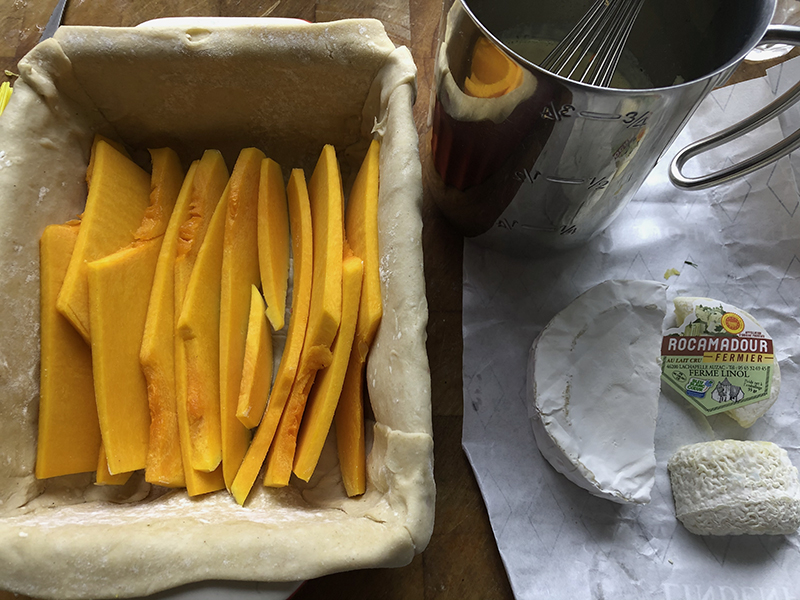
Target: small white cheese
x=593 y=389
x=748 y=414
x=732 y=487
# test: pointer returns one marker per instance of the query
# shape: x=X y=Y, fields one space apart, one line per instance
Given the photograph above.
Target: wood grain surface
x=462 y=561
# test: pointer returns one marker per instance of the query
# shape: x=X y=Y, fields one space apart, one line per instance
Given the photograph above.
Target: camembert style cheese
x=731 y=487
x=593 y=388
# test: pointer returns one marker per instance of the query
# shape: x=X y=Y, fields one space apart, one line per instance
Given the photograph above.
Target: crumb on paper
x=670 y=272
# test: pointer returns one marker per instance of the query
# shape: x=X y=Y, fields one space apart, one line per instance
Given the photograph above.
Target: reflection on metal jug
x=528 y=159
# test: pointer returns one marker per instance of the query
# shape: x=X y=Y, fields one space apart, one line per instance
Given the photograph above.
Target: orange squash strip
x=361 y=226
x=104 y=476
x=210 y=188
x=239 y=272
x=206 y=178
x=119 y=286
x=198 y=327
x=303 y=260
x=119 y=193
x=165 y=186
x=69 y=431
x=325 y=313
x=273 y=241
x=157 y=356
x=257 y=370
x=324 y=396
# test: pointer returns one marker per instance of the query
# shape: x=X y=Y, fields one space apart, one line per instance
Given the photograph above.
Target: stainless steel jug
x=532 y=160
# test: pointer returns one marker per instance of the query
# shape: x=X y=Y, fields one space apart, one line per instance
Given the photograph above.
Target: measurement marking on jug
x=632 y=119
x=568 y=230
x=556 y=114
x=564 y=180
x=598 y=116
x=594 y=183
x=598 y=183
x=511 y=224
x=504 y=223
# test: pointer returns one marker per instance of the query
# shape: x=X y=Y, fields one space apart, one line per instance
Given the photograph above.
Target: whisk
x=591 y=51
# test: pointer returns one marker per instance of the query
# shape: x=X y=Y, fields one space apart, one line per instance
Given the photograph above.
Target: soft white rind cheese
x=732 y=487
x=593 y=388
x=748 y=414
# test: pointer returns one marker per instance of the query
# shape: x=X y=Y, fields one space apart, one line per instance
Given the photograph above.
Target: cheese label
x=718 y=358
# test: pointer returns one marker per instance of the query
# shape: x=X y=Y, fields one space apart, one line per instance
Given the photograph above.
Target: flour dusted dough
x=287 y=87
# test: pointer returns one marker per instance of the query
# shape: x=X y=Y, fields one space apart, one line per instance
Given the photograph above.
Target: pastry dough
x=287 y=87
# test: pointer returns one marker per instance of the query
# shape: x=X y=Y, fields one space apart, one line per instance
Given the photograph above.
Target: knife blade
x=55 y=20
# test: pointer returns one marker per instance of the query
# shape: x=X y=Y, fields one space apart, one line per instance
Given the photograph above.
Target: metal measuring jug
x=546 y=162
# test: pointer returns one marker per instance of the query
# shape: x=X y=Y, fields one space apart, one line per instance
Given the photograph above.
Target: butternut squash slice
x=349 y=424
x=198 y=327
x=325 y=312
x=165 y=185
x=206 y=177
x=302 y=262
x=361 y=227
x=157 y=356
x=493 y=74
x=239 y=272
x=104 y=476
x=327 y=222
x=119 y=286
x=119 y=193
x=257 y=370
x=273 y=242
x=324 y=396
x=69 y=431
x=211 y=177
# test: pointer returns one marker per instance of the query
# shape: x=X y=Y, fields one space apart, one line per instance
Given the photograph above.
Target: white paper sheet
x=739 y=243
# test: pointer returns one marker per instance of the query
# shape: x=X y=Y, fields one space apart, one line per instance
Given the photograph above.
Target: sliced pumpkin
x=104 y=476
x=327 y=221
x=361 y=226
x=119 y=287
x=198 y=327
x=257 y=370
x=273 y=241
x=69 y=431
x=324 y=396
x=325 y=312
x=302 y=262
x=166 y=180
x=206 y=177
x=210 y=187
x=120 y=284
x=239 y=272
x=119 y=194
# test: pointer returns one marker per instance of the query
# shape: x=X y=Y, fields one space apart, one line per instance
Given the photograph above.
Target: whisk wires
x=590 y=52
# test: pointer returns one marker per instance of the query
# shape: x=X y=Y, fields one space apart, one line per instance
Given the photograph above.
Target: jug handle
x=775 y=34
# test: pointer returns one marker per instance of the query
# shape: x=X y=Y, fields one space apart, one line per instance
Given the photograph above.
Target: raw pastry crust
x=287 y=87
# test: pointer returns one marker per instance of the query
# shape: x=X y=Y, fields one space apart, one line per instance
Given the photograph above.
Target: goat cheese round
x=593 y=389
x=731 y=487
